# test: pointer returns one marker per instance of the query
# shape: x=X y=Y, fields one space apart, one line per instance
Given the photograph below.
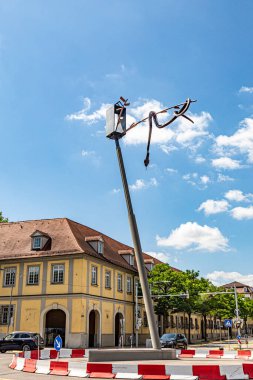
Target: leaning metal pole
x=138 y=254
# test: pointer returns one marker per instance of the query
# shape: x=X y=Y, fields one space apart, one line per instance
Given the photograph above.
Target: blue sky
x=63 y=62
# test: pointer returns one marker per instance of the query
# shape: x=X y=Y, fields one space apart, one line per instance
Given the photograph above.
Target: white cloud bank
x=240 y=142
x=222 y=278
x=213 y=207
x=193 y=236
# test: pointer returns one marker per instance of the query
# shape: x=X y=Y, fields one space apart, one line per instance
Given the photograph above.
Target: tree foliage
x=168 y=288
x=2 y=218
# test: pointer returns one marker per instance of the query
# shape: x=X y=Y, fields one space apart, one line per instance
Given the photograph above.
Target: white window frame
x=36 y=240
x=94 y=275
x=129 y=284
x=119 y=282
x=33 y=274
x=9 y=276
x=108 y=279
x=100 y=247
x=57 y=277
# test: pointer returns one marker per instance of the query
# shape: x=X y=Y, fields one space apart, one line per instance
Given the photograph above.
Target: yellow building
x=60 y=277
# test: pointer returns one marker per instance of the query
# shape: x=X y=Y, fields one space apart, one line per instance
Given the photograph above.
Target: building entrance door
x=55 y=325
x=94 y=328
x=118 y=329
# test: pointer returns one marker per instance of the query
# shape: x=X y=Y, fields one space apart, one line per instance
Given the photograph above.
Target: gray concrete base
x=122 y=354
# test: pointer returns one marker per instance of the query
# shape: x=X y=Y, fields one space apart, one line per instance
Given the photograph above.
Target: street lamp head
x=116 y=119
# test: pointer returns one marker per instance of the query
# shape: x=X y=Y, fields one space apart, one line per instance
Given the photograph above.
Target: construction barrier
x=59 y=368
x=30 y=365
x=52 y=354
x=135 y=371
x=100 y=370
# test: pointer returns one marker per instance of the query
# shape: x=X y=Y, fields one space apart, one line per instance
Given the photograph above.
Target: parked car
x=21 y=341
x=174 y=341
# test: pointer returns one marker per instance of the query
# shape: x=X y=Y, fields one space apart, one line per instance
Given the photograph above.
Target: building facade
x=60 y=277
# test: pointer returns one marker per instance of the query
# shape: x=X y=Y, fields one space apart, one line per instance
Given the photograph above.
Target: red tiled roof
x=67 y=237
x=236 y=284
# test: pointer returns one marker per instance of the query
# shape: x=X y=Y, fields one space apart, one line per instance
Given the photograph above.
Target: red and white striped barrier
x=53 y=354
x=242 y=371
x=215 y=354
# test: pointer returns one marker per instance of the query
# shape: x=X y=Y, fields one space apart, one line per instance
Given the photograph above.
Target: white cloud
x=88 y=153
x=195 y=180
x=213 y=207
x=87 y=118
x=224 y=178
x=222 y=278
x=205 y=179
x=116 y=191
x=226 y=163
x=167 y=149
x=238 y=196
x=141 y=184
x=164 y=257
x=199 y=159
x=246 y=89
x=193 y=236
x=241 y=213
x=240 y=142
x=170 y=170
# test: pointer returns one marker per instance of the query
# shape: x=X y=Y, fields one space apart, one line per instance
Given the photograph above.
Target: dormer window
x=96 y=242
x=128 y=255
x=37 y=242
x=149 y=264
x=41 y=241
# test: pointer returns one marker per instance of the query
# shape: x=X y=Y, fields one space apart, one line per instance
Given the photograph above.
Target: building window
x=108 y=279
x=37 y=242
x=94 y=275
x=33 y=275
x=119 y=282
x=145 y=319
x=4 y=314
x=100 y=247
x=58 y=274
x=129 y=285
x=9 y=276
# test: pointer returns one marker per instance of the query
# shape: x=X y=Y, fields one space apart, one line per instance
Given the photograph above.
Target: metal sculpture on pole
x=115 y=130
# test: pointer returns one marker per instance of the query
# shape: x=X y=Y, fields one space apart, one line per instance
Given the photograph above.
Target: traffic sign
x=58 y=343
x=228 y=323
x=238 y=337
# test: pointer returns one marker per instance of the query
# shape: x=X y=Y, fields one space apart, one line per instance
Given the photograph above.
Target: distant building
x=243 y=289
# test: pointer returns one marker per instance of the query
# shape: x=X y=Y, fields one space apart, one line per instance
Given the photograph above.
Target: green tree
x=193 y=285
x=2 y=218
x=166 y=283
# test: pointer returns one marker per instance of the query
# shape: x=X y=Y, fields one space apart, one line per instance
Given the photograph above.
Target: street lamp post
x=138 y=253
x=116 y=128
